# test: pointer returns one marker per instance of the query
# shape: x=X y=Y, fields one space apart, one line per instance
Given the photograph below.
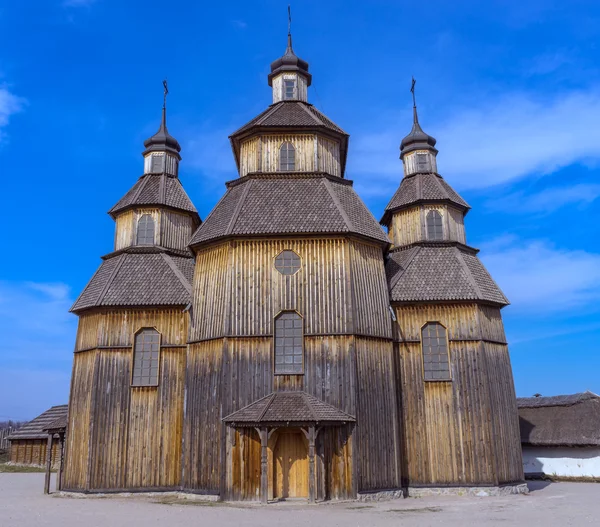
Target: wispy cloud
x=10 y=104
x=498 y=141
x=240 y=24
x=539 y=278
x=548 y=200
x=38 y=336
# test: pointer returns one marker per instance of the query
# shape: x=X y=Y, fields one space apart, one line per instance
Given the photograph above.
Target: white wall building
x=561 y=436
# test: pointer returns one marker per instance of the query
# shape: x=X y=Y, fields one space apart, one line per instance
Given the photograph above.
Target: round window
x=287 y=262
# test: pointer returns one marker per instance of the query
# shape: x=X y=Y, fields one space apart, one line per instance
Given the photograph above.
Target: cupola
x=162 y=149
x=417 y=149
x=289 y=76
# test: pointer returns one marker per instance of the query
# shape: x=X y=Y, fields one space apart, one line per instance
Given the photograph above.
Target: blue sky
x=510 y=92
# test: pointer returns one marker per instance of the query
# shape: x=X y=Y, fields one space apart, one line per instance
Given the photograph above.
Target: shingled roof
x=422 y=188
x=289 y=204
x=290 y=114
x=440 y=272
x=563 y=420
x=288 y=407
x=156 y=189
x=134 y=279
x=35 y=429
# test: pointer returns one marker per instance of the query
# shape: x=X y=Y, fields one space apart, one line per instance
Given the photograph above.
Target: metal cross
x=289 y=19
x=412 y=90
x=166 y=87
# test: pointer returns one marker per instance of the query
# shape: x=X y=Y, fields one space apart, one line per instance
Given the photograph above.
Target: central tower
x=291 y=326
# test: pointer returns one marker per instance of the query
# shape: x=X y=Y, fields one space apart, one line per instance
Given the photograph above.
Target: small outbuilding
x=29 y=444
x=560 y=436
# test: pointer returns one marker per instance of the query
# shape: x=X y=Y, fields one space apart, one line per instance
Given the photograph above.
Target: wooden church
x=288 y=346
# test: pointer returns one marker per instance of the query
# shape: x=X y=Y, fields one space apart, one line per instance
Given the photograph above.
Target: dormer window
x=289 y=89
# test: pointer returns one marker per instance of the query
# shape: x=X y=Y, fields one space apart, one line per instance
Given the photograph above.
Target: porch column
x=264 y=476
x=61 y=457
x=311 y=464
x=48 y=464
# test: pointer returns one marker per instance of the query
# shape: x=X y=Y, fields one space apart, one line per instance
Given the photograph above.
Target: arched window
x=145 y=230
x=435 y=230
x=289 y=354
x=436 y=363
x=146 y=351
x=287 y=157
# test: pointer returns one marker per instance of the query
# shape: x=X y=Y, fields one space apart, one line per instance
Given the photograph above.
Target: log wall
x=410 y=225
x=313 y=153
x=171 y=229
x=301 y=85
x=117 y=327
x=462 y=432
x=340 y=288
x=34 y=451
x=79 y=428
x=239 y=371
x=124 y=437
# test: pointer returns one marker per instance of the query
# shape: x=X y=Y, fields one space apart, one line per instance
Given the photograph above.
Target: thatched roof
x=36 y=429
x=562 y=420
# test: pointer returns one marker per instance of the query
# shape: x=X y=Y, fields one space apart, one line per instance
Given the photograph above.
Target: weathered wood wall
x=124 y=437
x=378 y=429
x=341 y=293
x=458 y=432
x=313 y=153
x=79 y=430
x=410 y=163
x=240 y=371
x=171 y=229
x=300 y=83
x=34 y=452
x=340 y=289
x=410 y=225
x=117 y=327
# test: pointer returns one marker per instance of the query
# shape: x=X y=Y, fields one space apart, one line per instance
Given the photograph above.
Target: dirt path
x=558 y=504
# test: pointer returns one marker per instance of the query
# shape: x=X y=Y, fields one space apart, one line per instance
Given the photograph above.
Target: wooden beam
x=264 y=474
x=48 y=464
x=311 y=464
x=61 y=455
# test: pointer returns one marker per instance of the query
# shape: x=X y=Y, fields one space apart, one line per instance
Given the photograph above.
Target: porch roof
x=283 y=408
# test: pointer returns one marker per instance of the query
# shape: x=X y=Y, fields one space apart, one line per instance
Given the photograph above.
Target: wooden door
x=290 y=463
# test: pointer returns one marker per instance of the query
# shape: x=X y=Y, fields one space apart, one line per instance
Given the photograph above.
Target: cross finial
x=412 y=90
x=166 y=92
x=289 y=19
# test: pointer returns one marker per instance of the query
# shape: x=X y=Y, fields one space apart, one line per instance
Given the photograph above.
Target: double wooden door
x=290 y=465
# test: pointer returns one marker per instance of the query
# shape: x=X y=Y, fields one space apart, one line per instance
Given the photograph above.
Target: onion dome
x=417 y=139
x=289 y=63
x=162 y=141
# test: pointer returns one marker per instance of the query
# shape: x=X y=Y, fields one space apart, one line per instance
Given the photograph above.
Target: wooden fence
x=4 y=433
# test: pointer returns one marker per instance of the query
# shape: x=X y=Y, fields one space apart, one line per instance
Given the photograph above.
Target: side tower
x=127 y=387
x=290 y=382
x=460 y=423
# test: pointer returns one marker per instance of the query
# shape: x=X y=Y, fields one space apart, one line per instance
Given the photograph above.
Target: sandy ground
x=558 y=504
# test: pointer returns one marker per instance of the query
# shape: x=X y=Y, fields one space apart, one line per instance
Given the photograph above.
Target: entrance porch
x=305 y=447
